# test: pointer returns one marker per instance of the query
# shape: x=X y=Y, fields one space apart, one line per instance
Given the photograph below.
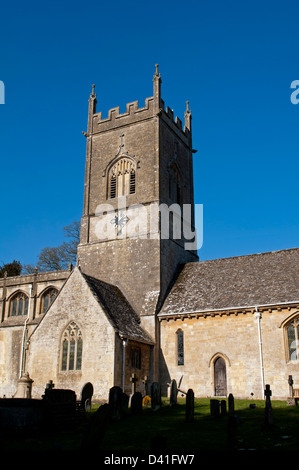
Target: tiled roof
x=252 y=280
x=118 y=310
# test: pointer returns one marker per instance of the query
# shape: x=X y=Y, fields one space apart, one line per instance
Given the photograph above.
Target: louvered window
x=122 y=178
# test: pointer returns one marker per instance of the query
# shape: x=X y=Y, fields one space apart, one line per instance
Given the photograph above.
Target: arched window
x=122 y=178
x=175 y=191
x=47 y=299
x=18 y=304
x=292 y=334
x=180 y=347
x=72 y=343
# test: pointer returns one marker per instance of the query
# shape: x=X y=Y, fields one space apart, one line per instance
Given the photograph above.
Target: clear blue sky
x=233 y=60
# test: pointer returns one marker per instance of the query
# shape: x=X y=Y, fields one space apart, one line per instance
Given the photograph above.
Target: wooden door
x=220 y=377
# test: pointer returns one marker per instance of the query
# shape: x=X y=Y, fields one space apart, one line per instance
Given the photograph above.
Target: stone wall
x=77 y=304
x=233 y=336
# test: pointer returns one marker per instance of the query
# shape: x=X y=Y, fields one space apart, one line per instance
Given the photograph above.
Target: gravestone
x=97 y=428
x=190 y=405
x=291 y=401
x=214 y=408
x=155 y=396
x=223 y=407
x=136 y=403
x=60 y=407
x=115 y=399
x=133 y=380
x=231 y=404
x=124 y=403
x=146 y=385
x=268 y=407
x=173 y=393
x=86 y=396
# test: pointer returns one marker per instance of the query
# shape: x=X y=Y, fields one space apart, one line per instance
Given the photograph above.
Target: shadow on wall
x=165 y=378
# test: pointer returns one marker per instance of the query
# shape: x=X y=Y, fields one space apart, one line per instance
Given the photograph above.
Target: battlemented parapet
x=154 y=106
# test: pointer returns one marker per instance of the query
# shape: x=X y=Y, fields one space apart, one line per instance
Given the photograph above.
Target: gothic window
x=175 y=192
x=19 y=304
x=122 y=178
x=71 y=352
x=180 y=347
x=47 y=299
x=292 y=335
x=136 y=358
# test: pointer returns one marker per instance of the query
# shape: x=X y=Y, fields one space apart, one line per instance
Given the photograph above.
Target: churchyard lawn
x=168 y=428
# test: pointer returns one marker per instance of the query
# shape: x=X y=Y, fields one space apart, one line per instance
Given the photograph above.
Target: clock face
x=119 y=221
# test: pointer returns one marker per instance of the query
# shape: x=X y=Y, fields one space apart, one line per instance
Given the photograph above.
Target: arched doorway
x=220 y=383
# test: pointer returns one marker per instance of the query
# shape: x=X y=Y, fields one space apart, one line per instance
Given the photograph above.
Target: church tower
x=137 y=162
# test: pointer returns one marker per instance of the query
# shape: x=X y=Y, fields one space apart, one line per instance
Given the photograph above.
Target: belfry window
x=292 y=334
x=72 y=344
x=180 y=347
x=47 y=299
x=175 y=192
x=122 y=178
x=19 y=304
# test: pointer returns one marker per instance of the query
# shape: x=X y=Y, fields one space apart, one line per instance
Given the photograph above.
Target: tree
x=59 y=257
x=12 y=269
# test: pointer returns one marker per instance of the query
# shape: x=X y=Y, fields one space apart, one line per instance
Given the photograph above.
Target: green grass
x=206 y=433
x=135 y=433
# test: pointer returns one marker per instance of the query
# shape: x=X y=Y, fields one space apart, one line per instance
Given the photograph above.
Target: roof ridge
x=243 y=256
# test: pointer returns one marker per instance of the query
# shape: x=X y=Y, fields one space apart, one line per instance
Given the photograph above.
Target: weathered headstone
x=86 y=396
x=97 y=428
x=124 y=403
x=291 y=401
x=115 y=398
x=268 y=407
x=155 y=396
x=190 y=405
x=133 y=380
x=173 y=393
x=231 y=404
x=146 y=385
x=223 y=407
x=214 y=408
x=136 y=403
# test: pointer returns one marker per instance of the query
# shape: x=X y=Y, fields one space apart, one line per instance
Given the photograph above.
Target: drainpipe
x=258 y=319
x=24 y=333
x=125 y=342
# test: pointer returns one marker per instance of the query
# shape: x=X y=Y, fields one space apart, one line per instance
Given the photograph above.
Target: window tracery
x=72 y=345
x=19 y=304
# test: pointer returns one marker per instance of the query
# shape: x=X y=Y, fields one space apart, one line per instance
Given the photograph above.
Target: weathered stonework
x=143 y=304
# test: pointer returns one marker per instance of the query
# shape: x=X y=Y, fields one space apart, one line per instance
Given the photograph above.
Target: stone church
x=139 y=301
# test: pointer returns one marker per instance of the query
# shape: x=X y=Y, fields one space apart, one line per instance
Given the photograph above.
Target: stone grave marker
x=133 y=380
x=214 y=408
x=155 y=396
x=190 y=405
x=136 y=403
x=231 y=404
x=268 y=407
x=115 y=400
x=173 y=393
x=124 y=403
x=86 y=396
x=97 y=428
x=223 y=407
x=291 y=401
